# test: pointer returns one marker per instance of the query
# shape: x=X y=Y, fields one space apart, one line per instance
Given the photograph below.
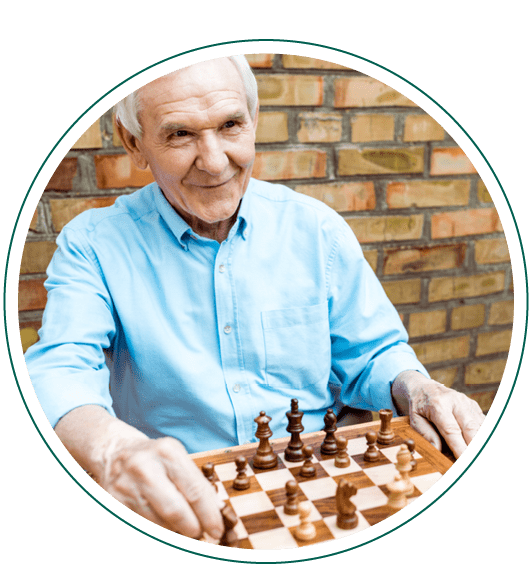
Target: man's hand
x=154 y=477
x=430 y=404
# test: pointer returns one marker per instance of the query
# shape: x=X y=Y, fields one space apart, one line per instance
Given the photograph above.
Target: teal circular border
x=288 y=42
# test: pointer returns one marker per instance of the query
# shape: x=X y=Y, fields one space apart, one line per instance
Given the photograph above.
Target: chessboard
x=260 y=509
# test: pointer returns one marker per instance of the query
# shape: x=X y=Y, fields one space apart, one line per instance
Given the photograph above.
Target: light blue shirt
x=179 y=335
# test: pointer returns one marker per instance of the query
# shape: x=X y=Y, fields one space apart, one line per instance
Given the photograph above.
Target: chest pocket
x=297 y=345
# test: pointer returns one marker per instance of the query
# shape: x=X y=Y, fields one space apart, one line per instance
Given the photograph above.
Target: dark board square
x=254 y=487
x=320 y=473
x=278 y=496
x=261 y=521
x=326 y=507
x=360 y=479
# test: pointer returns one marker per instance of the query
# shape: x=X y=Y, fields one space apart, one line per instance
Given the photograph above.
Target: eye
x=181 y=133
x=229 y=124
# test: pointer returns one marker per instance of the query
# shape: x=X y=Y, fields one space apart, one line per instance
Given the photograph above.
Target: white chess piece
x=306 y=530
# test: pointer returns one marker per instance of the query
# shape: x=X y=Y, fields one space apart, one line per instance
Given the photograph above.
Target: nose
x=211 y=157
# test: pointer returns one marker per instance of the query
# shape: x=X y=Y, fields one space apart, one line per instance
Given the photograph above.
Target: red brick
x=385 y=228
x=36 y=256
x=449 y=287
x=423 y=259
x=380 y=161
x=118 y=172
x=491 y=251
x=342 y=196
x=442 y=350
x=34 y=224
x=318 y=127
x=91 y=139
x=31 y=295
x=276 y=165
x=465 y=222
x=482 y=193
x=493 y=342
x=400 y=195
x=302 y=62
x=64 y=210
x=422 y=128
x=62 y=179
x=367 y=92
x=501 y=312
x=291 y=90
x=372 y=127
x=260 y=60
x=372 y=257
x=450 y=161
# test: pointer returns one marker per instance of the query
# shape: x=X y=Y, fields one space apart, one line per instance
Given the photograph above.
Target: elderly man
x=177 y=314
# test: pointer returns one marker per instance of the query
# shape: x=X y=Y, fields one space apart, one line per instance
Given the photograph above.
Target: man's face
x=198 y=139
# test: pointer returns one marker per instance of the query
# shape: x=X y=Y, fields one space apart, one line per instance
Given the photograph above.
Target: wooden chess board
x=262 y=522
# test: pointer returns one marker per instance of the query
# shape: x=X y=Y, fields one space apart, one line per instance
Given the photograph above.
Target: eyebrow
x=171 y=126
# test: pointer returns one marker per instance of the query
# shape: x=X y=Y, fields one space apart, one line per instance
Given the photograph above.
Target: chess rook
x=385 y=435
x=329 y=447
x=294 y=452
x=264 y=457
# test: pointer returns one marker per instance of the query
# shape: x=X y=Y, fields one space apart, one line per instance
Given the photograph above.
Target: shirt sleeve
x=67 y=366
x=369 y=343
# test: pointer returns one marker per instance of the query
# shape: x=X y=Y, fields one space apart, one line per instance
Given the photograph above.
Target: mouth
x=212 y=186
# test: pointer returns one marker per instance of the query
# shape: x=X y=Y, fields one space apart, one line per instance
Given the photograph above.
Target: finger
x=449 y=429
x=426 y=429
x=470 y=420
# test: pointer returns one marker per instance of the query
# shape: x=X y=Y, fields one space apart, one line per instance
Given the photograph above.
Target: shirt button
x=227 y=329
x=236 y=387
x=221 y=268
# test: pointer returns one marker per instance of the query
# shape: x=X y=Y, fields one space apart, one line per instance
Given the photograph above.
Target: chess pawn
x=372 y=453
x=294 y=452
x=306 y=530
x=291 y=506
x=397 y=495
x=385 y=435
x=208 y=472
x=411 y=444
x=264 y=457
x=307 y=470
x=329 y=447
x=241 y=482
x=342 y=459
x=404 y=467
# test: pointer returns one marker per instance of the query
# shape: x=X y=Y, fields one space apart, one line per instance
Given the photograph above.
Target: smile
x=215 y=186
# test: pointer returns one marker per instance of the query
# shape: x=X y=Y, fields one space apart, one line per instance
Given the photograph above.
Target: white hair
x=127 y=110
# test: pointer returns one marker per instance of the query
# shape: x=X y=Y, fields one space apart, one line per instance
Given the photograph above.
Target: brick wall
x=424 y=218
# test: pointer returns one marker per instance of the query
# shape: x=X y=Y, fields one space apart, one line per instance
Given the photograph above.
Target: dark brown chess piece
x=372 y=453
x=291 y=505
x=411 y=444
x=346 y=518
x=241 y=482
x=230 y=520
x=208 y=472
x=294 y=452
x=329 y=447
x=264 y=457
x=342 y=459
x=308 y=470
x=385 y=436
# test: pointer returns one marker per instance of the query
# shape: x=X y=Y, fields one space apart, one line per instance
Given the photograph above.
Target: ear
x=132 y=145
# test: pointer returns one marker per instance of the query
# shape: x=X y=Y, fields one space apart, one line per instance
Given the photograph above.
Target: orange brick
x=64 y=210
x=290 y=89
x=422 y=128
x=484 y=399
x=91 y=139
x=272 y=127
x=118 y=172
x=372 y=127
x=372 y=257
x=403 y=291
x=427 y=323
x=442 y=350
x=450 y=161
x=385 y=228
x=260 y=60
x=465 y=222
x=446 y=375
x=34 y=224
x=28 y=337
x=493 y=342
x=482 y=193
x=62 y=179
x=31 y=295
x=377 y=161
x=501 y=312
x=302 y=62
x=342 y=196
x=400 y=195
x=484 y=372
x=491 y=251
x=275 y=165
x=319 y=127
x=36 y=256
x=423 y=259
x=466 y=317
x=367 y=92
x=449 y=287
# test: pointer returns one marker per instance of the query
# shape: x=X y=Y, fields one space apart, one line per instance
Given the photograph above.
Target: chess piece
x=347 y=518
x=308 y=470
x=372 y=453
x=241 y=482
x=230 y=520
x=294 y=453
x=411 y=444
x=329 y=447
x=306 y=530
x=264 y=457
x=291 y=505
x=404 y=466
x=342 y=459
x=208 y=472
x=385 y=435
x=397 y=494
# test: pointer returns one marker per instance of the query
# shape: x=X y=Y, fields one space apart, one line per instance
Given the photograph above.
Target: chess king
x=177 y=314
